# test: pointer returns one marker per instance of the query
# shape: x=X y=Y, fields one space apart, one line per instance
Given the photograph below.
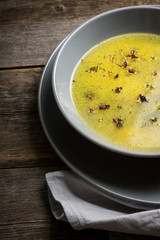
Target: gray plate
x=131 y=181
x=108 y=24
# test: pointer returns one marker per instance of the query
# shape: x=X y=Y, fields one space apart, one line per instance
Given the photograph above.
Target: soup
x=116 y=90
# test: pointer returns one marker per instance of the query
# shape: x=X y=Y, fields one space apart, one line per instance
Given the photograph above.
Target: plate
x=134 y=182
x=92 y=32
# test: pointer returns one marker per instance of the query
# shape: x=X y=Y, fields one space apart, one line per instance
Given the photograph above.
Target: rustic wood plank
x=25 y=211
x=23 y=195
x=30 y=30
x=49 y=231
x=22 y=140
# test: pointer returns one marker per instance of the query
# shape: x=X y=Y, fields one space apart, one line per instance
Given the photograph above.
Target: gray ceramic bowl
x=103 y=26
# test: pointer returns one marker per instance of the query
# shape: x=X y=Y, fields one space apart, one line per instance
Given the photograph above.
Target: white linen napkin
x=73 y=200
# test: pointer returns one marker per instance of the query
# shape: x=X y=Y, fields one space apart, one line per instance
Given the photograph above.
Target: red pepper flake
x=124 y=64
x=117 y=90
x=154 y=73
x=119 y=122
x=131 y=70
x=91 y=110
x=104 y=107
x=115 y=120
x=132 y=55
x=112 y=58
x=93 y=69
x=89 y=96
x=153 y=119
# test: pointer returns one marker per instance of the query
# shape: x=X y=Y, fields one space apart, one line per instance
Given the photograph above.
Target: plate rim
x=122 y=199
x=122 y=149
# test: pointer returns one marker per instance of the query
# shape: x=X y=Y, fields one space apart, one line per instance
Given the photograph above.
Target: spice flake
x=117 y=90
x=154 y=73
x=141 y=98
x=91 y=110
x=132 y=55
x=116 y=76
x=130 y=70
x=104 y=107
x=93 y=69
x=119 y=122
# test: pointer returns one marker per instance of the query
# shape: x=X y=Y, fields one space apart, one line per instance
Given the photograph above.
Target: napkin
x=77 y=202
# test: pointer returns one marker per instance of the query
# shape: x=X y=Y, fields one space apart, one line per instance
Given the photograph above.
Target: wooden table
x=29 y=32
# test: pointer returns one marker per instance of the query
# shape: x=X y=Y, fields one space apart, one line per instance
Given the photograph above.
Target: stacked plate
x=123 y=178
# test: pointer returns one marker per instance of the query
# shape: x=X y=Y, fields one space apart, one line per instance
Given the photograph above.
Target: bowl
x=108 y=24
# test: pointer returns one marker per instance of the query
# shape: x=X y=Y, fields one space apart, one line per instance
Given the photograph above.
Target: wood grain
x=23 y=195
x=25 y=211
x=49 y=231
x=22 y=140
x=30 y=30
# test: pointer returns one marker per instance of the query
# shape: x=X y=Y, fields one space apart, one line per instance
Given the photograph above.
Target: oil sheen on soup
x=116 y=90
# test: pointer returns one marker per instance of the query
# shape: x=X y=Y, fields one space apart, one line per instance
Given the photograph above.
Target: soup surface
x=116 y=90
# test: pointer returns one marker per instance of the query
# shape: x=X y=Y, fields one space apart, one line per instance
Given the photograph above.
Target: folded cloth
x=73 y=200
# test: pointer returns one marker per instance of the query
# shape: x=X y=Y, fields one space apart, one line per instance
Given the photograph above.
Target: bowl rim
x=125 y=151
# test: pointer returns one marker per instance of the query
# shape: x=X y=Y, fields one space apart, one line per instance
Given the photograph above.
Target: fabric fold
x=73 y=200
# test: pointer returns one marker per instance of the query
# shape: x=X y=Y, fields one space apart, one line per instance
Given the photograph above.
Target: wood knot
x=59 y=8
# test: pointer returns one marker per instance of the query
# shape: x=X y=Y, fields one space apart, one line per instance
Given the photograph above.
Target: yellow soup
x=116 y=90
